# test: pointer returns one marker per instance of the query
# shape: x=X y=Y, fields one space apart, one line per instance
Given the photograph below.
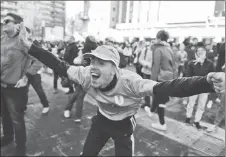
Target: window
x=113 y=8
x=113 y=19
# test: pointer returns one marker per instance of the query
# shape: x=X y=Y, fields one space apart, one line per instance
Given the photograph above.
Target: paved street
x=53 y=135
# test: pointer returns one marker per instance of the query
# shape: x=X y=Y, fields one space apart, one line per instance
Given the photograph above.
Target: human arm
x=181 y=87
x=156 y=64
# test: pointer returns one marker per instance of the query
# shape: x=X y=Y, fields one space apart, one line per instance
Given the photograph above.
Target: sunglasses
x=8 y=21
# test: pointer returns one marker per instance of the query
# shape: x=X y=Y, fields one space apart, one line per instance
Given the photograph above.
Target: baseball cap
x=105 y=52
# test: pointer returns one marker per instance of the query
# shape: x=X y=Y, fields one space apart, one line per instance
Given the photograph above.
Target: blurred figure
x=220 y=114
x=71 y=52
x=209 y=53
x=137 y=53
x=127 y=52
x=163 y=69
x=56 y=50
x=201 y=66
x=182 y=56
x=34 y=78
x=79 y=94
x=146 y=59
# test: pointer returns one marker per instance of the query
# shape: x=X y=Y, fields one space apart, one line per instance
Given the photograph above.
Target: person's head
x=104 y=65
x=162 y=35
x=201 y=51
x=10 y=23
x=174 y=48
x=195 y=41
x=110 y=41
x=182 y=47
x=208 y=47
x=71 y=39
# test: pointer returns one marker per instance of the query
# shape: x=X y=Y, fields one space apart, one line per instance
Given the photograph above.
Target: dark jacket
x=89 y=45
x=190 y=49
x=221 y=57
x=164 y=64
x=198 y=69
x=71 y=52
x=182 y=87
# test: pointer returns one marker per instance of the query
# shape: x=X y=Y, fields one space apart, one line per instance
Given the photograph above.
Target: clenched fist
x=218 y=81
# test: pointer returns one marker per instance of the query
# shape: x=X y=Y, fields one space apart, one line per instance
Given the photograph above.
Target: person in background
x=220 y=114
x=140 y=46
x=55 y=51
x=209 y=53
x=163 y=69
x=146 y=59
x=198 y=67
x=34 y=78
x=71 y=52
x=127 y=52
x=79 y=94
x=182 y=56
x=15 y=62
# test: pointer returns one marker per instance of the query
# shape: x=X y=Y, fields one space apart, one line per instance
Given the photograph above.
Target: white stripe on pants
x=202 y=99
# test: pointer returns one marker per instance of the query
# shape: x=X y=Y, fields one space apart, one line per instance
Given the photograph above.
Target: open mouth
x=95 y=75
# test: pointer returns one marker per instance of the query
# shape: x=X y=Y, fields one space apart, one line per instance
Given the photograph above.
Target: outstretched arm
x=183 y=87
x=49 y=59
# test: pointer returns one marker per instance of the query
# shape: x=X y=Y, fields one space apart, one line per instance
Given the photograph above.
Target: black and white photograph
x=112 y=78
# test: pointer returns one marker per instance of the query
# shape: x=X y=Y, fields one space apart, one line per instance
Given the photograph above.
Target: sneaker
x=209 y=104
x=159 y=126
x=55 y=91
x=77 y=120
x=6 y=141
x=69 y=92
x=45 y=110
x=217 y=100
x=197 y=125
x=67 y=114
x=188 y=121
x=148 y=111
x=212 y=129
x=185 y=102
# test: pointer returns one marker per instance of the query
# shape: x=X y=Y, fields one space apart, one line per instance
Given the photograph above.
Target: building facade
x=38 y=15
x=180 y=18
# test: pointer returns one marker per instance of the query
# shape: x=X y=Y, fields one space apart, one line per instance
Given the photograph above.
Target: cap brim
x=89 y=55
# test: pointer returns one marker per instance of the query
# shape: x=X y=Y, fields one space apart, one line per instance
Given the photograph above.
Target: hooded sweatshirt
x=164 y=65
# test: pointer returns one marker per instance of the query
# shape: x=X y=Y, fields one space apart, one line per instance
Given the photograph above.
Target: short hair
x=17 y=18
x=72 y=37
x=200 y=45
x=162 y=35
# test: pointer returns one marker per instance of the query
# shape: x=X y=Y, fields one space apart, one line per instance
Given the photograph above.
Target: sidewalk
x=203 y=143
x=53 y=135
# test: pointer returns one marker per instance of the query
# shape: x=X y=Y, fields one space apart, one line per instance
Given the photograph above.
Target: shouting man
x=119 y=93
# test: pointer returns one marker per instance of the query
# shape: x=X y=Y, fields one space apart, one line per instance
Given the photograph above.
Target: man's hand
x=23 y=36
x=22 y=82
x=218 y=81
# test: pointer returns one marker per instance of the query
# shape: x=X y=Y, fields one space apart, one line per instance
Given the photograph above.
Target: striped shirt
x=123 y=100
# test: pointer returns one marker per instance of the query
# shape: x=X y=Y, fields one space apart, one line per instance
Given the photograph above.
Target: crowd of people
x=164 y=72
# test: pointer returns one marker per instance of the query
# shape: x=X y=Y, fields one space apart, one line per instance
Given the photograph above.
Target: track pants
x=102 y=129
